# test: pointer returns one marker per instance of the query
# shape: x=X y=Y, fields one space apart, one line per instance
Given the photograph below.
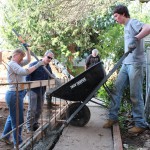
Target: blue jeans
x=10 y=124
x=35 y=106
x=131 y=75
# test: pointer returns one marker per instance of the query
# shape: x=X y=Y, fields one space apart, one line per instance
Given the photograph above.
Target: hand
x=26 y=45
x=40 y=63
x=132 y=45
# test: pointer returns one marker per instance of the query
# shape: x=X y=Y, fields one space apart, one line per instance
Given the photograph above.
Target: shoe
x=7 y=141
x=15 y=147
x=136 y=130
x=35 y=126
x=109 y=123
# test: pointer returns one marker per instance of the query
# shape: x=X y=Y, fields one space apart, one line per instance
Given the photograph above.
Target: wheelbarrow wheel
x=81 y=118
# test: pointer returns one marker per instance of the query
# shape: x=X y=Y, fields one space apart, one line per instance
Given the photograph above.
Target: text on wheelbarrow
x=81 y=81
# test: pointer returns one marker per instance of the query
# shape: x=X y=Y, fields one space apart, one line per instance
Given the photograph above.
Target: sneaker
x=7 y=141
x=136 y=130
x=109 y=123
x=35 y=126
x=16 y=147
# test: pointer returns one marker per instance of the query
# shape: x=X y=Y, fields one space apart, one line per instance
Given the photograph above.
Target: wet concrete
x=90 y=137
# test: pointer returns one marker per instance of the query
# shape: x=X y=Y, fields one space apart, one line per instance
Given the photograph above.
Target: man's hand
x=133 y=44
x=26 y=45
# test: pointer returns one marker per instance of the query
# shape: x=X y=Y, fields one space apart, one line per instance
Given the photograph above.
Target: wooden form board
x=33 y=84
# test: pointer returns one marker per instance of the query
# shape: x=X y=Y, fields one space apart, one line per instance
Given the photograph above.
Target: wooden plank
x=33 y=84
x=117 y=137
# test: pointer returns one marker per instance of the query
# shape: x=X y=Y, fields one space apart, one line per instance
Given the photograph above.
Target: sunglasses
x=49 y=57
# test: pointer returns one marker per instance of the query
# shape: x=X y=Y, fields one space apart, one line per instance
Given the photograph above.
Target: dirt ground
x=134 y=141
x=3 y=116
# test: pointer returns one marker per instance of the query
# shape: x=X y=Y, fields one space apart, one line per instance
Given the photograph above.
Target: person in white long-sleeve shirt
x=16 y=74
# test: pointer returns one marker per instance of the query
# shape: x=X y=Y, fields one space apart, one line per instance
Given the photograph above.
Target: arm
x=17 y=69
x=35 y=66
x=87 y=62
x=99 y=58
x=27 y=58
x=28 y=55
x=144 y=32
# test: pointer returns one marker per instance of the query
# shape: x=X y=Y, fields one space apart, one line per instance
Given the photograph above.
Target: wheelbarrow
x=80 y=91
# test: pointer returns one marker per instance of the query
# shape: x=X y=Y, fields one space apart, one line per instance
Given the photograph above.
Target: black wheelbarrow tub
x=82 y=85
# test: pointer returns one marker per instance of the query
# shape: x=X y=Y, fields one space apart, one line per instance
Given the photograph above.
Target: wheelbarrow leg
x=98 y=103
x=109 y=93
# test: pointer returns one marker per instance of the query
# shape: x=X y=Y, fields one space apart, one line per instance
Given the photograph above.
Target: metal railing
x=49 y=117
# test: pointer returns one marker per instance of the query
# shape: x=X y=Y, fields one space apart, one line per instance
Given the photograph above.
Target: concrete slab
x=90 y=137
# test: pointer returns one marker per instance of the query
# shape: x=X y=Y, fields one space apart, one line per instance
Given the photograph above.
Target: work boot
x=136 y=130
x=109 y=123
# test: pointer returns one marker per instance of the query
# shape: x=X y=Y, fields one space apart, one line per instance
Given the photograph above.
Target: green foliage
x=37 y=22
x=111 y=42
x=78 y=70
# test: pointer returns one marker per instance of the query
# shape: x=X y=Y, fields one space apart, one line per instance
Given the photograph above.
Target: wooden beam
x=33 y=84
x=117 y=137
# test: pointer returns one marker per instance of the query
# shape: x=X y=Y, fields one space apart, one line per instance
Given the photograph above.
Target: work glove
x=40 y=63
x=132 y=45
x=26 y=45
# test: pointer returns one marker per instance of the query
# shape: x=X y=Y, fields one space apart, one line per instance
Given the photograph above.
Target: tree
x=61 y=25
